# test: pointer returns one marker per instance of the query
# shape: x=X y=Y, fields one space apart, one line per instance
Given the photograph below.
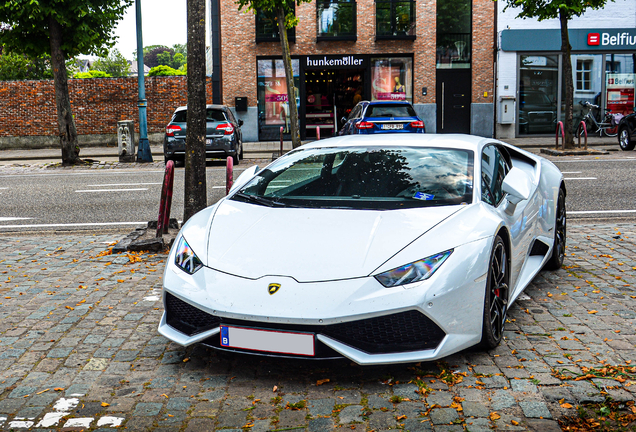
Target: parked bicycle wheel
x=610 y=131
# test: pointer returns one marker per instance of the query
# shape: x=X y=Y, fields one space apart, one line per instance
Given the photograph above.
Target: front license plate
x=208 y=141
x=273 y=341
x=392 y=126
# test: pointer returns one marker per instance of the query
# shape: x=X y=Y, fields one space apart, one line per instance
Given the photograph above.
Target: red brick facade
x=239 y=49
x=27 y=108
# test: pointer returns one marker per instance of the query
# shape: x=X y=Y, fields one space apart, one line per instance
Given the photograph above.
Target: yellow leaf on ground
x=592 y=312
x=566 y=406
x=322 y=381
x=494 y=416
x=105 y=404
x=275 y=388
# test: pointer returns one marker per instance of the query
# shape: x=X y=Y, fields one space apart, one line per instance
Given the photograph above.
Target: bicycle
x=608 y=126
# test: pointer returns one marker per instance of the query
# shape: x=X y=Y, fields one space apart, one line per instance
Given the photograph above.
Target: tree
x=152 y=58
x=63 y=29
x=564 y=10
x=114 y=64
x=15 y=67
x=283 y=10
x=195 y=194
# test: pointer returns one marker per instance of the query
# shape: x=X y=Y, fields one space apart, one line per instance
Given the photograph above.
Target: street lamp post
x=143 y=152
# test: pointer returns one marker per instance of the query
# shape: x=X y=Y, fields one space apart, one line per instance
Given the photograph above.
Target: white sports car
x=378 y=248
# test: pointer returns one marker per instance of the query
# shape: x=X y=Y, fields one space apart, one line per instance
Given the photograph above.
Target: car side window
x=494 y=168
x=355 y=113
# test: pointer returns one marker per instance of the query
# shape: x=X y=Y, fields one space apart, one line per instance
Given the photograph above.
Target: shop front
x=603 y=72
x=328 y=87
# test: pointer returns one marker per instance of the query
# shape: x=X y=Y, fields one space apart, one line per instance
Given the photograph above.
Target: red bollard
x=166 y=200
x=585 y=132
x=556 y=137
x=281 y=141
x=229 y=174
x=318 y=133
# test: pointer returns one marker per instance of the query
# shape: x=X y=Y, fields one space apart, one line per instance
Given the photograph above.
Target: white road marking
x=65 y=404
x=592 y=160
x=122 y=184
x=96 y=224
x=601 y=211
x=110 y=421
x=52 y=419
x=95 y=173
x=571 y=172
x=111 y=190
x=7 y=219
x=579 y=178
x=82 y=422
x=218 y=187
x=20 y=424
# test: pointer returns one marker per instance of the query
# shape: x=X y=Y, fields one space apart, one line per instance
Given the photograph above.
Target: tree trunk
x=195 y=193
x=289 y=79
x=65 y=122
x=569 y=83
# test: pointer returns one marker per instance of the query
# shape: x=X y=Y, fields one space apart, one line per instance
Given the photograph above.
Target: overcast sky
x=163 y=22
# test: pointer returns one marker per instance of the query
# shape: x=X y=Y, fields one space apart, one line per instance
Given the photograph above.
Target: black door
x=453 y=100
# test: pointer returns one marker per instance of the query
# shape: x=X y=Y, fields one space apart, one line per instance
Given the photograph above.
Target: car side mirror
x=240 y=122
x=344 y=119
x=518 y=185
x=244 y=178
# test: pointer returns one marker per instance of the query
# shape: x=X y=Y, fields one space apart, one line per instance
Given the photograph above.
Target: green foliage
x=271 y=7
x=15 y=67
x=92 y=74
x=181 y=49
x=549 y=9
x=163 y=70
x=114 y=65
x=87 y=26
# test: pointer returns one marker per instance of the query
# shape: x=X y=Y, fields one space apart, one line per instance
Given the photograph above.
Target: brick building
x=436 y=54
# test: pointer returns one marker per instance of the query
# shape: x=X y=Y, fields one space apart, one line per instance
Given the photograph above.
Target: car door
x=520 y=219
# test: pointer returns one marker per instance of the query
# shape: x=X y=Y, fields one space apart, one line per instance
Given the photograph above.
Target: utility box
x=240 y=103
x=507 y=109
x=126 y=140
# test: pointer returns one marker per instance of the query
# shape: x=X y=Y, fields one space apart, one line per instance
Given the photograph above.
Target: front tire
x=497 y=296
x=624 y=140
x=560 y=224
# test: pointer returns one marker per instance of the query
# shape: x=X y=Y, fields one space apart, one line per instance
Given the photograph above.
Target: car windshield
x=386 y=110
x=211 y=114
x=364 y=178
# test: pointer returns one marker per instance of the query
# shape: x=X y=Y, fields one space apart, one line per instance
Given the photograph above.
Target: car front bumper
x=355 y=318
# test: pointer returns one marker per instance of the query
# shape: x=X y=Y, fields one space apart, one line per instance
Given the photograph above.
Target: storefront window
x=392 y=78
x=267 y=29
x=336 y=20
x=538 y=91
x=453 y=34
x=620 y=79
x=395 y=19
x=273 y=104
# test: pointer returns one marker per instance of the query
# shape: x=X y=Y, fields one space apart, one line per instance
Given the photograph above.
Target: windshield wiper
x=261 y=200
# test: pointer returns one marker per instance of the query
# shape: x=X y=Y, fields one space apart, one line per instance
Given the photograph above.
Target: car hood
x=312 y=245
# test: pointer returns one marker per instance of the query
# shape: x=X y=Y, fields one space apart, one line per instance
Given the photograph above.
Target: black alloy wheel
x=624 y=140
x=497 y=295
x=560 y=225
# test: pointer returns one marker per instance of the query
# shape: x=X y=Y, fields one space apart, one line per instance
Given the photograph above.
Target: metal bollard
x=166 y=200
x=281 y=141
x=585 y=132
x=318 y=133
x=560 y=128
x=229 y=174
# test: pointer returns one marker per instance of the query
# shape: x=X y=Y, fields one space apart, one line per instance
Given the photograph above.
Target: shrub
x=92 y=74
x=163 y=70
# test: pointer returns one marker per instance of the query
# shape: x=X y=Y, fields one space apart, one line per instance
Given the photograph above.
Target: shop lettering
x=619 y=39
x=344 y=61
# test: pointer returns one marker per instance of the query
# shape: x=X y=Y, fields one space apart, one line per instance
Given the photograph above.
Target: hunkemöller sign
x=335 y=61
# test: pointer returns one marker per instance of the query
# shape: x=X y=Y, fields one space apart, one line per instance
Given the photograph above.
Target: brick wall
x=239 y=49
x=27 y=108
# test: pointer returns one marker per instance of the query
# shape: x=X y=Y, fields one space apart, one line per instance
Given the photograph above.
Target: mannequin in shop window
x=399 y=88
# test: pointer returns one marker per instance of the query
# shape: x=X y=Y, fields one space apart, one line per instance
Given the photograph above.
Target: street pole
x=143 y=152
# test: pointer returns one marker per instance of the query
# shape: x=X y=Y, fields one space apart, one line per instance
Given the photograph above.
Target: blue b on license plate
x=274 y=341
x=208 y=141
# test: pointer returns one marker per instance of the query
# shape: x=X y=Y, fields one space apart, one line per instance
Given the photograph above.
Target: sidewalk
x=259 y=150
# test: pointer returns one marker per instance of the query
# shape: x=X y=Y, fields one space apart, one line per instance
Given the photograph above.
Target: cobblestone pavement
x=79 y=350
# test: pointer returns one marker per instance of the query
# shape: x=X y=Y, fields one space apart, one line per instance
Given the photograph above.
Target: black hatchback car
x=627 y=132
x=223 y=136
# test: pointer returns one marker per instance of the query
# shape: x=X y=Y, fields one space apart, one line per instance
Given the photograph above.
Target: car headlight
x=185 y=258
x=413 y=272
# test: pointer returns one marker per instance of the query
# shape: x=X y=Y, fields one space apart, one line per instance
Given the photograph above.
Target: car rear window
x=212 y=115
x=397 y=110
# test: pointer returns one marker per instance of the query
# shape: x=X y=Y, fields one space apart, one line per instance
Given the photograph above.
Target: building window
x=454 y=34
x=273 y=104
x=392 y=78
x=394 y=19
x=584 y=74
x=336 y=20
x=267 y=29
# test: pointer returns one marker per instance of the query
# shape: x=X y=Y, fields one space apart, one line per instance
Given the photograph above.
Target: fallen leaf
x=105 y=404
x=275 y=388
x=494 y=416
x=566 y=406
x=592 y=312
x=514 y=422
x=322 y=381
x=58 y=388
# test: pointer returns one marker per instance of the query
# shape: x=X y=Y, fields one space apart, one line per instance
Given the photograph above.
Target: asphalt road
x=600 y=188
